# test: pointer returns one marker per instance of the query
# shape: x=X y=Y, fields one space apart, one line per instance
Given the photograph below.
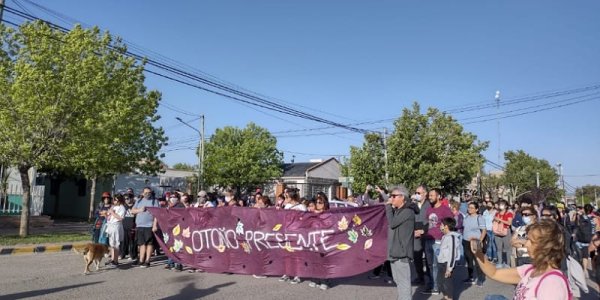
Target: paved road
x=59 y=276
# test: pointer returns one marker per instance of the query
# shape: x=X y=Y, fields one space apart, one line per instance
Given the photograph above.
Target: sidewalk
x=57 y=227
x=41 y=248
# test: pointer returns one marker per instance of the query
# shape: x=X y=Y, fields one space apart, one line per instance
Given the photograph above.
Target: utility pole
x=562 y=180
x=1 y=9
x=385 y=157
x=201 y=155
x=498 y=125
x=537 y=179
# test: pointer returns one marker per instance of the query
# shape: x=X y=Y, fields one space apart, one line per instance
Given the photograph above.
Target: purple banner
x=339 y=243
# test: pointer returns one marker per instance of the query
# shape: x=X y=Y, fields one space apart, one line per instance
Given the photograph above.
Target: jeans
x=492 y=250
x=504 y=247
x=431 y=251
x=472 y=266
x=401 y=271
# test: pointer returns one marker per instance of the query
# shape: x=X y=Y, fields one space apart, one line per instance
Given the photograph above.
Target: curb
x=35 y=249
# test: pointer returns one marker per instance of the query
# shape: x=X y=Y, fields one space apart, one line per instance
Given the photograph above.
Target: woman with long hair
x=501 y=228
x=542 y=279
x=114 y=228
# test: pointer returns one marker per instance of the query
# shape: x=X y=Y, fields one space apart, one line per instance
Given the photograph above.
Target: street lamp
x=200 y=148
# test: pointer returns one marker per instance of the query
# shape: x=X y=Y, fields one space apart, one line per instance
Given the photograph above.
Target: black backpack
x=584 y=229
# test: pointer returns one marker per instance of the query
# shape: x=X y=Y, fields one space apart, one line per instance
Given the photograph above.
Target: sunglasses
x=527 y=215
x=546 y=215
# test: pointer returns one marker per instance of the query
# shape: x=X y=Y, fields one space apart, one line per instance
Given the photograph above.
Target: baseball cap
x=106 y=195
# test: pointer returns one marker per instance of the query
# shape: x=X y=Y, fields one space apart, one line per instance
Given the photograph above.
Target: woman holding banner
x=321 y=205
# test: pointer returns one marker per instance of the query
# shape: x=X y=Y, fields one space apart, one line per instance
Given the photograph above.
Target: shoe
x=178 y=268
x=374 y=277
x=312 y=284
x=259 y=276
x=145 y=265
x=284 y=278
x=431 y=292
x=469 y=281
x=135 y=263
x=108 y=262
x=389 y=281
x=323 y=286
x=479 y=284
x=418 y=282
x=296 y=280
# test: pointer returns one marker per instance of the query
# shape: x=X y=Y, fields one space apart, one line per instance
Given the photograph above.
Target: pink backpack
x=554 y=272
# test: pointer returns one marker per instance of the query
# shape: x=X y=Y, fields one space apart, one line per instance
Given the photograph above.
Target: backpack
x=555 y=272
x=584 y=229
x=458 y=252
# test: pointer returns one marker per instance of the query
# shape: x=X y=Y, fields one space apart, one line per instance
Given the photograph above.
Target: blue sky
x=357 y=61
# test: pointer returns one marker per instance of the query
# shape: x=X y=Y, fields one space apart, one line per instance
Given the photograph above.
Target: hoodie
x=401 y=231
x=450 y=249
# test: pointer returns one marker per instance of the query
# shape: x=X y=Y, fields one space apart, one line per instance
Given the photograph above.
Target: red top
x=505 y=216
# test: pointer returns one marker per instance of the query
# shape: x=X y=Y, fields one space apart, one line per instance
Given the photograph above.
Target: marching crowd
x=429 y=232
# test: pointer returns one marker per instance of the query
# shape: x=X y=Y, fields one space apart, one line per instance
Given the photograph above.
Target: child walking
x=450 y=252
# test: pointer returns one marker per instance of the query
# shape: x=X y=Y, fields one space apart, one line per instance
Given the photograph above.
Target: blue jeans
x=492 y=250
x=431 y=251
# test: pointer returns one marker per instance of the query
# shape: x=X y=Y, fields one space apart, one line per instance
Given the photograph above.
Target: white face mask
x=417 y=197
x=502 y=207
x=227 y=198
x=527 y=220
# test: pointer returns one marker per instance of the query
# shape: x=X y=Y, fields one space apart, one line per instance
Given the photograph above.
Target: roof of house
x=299 y=169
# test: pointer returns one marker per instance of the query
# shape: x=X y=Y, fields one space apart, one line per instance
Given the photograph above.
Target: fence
x=11 y=200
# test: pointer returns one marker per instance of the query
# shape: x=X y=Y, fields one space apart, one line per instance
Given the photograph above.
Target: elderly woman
x=542 y=279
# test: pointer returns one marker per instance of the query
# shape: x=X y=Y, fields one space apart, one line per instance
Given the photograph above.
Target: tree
x=367 y=164
x=491 y=184
x=520 y=175
x=589 y=193
x=184 y=167
x=433 y=149
x=242 y=158
x=73 y=102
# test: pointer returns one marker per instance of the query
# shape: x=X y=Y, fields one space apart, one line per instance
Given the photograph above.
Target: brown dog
x=93 y=253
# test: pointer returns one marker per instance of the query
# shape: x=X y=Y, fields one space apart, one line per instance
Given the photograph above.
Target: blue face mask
x=417 y=197
x=527 y=220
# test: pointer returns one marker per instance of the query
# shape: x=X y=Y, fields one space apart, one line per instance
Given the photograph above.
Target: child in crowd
x=450 y=252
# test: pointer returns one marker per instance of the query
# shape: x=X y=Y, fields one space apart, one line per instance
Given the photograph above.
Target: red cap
x=106 y=195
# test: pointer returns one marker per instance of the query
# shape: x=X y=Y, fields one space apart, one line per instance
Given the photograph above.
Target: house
x=311 y=177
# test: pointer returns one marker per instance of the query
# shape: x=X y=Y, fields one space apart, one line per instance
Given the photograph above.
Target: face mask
x=502 y=207
x=227 y=198
x=417 y=197
x=527 y=220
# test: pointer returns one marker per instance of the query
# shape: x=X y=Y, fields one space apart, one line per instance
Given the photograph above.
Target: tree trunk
x=25 y=201
x=92 y=196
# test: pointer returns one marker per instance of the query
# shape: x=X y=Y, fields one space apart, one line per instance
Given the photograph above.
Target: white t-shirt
x=120 y=210
x=299 y=206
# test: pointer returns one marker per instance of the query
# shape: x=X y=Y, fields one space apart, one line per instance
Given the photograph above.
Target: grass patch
x=44 y=238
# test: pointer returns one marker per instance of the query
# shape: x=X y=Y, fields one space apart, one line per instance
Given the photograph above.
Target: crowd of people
x=429 y=232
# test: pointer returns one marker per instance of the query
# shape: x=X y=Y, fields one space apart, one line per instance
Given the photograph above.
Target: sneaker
x=469 y=281
x=431 y=292
x=374 y=277
x=389 y=280
x=284 y=278
x=135 y=263
x=296 y=280
x=259 y=276
x=312 y=284
x=323 y=286
x=145 y=265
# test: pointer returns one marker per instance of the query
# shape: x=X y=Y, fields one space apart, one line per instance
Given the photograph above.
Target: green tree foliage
x=588 y=193
x=73 y=102
x=520 y=174
x=367 y=164
x=433 y=149
x=242 y=158
x=184 y=167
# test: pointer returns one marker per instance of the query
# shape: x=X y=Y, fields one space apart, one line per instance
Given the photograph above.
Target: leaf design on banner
x=186 y=233
x=176 y=230
x=239 y=229
x=221 y=248
x=353 y=236
x=368 y=244
x=246 y=247
x=343 y=224
x=277 y=227
x=365 y=231
x=188 y=250
x=357 y=220
x=343 y=246
x=165 y=237
x=288 y=247
x=178 y=245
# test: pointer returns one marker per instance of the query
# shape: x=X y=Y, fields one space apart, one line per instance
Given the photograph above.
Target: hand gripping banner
x=339 y=243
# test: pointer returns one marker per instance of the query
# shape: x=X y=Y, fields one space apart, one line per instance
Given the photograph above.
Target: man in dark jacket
x=400 y=214
x=421 y=200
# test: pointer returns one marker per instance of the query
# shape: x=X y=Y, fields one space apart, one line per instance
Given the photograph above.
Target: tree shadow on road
x=191 y=292
x=43 y=292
